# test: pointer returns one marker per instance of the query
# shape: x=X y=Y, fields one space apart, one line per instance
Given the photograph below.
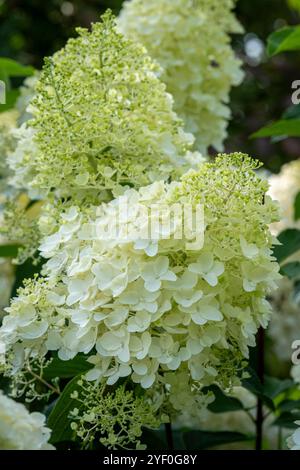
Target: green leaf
x=59 y=420
x=287 y=420
x=222 y=402
x=290 y=243
x=254 y=385
x=9 y=251
x=11 y=98
x=11 y=68
x=199 y=440
x=291 y=270
x=273 y=387
x=297 y=207
x=289 y=405
x=293 y=112
x=285 y=39
x=282 y=128
x=154 y=440
x=67 y=369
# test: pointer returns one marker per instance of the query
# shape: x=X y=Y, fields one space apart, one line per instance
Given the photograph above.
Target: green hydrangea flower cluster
x=114 y=417
x=190 y=40
x=101 y=120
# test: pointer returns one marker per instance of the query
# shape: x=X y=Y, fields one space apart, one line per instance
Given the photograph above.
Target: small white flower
x=207 y=268
x=155 y=272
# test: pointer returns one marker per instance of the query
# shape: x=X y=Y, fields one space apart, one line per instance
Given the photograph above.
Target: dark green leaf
x=282 y=128
x=291 y=270
x=273 y=387
x=293 y=112
x=289 y=405
x=297 y=207
x=222 y=402
x=286 y=39
x=287 y=420
x=290 y=243
x=199 y=440
x=67 y=369
x=9 y=251
x=254 y=385
x=59 y=420
x=154 y=440
x=11 y=68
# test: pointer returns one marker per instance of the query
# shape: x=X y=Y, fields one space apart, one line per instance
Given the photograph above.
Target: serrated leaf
x=285 y=39
x=199 y=440
x=290 y=244
x=11 y=68
x=223 y=403
x=291 y=270
x=281 y=128
x=58 y=420
x=67 y=369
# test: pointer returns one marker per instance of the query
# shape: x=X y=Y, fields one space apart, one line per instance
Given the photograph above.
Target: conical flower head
x=102 y=118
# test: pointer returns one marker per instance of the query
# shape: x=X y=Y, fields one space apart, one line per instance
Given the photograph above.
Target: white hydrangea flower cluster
x=285 y=324
x=190 y=40
x=294 y=441
x=21 y=430
x=145 y=307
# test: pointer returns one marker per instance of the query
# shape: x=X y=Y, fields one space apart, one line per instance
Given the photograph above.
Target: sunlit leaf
x=11 y=68
x=285 y=39
x=282 y=128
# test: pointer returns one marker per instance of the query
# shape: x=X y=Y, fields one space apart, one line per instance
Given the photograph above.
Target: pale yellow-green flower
x=101 y=120
x=190 y=39
x=154 y=306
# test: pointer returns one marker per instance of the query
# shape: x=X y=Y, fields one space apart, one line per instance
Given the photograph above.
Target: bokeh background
x=33 y=29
